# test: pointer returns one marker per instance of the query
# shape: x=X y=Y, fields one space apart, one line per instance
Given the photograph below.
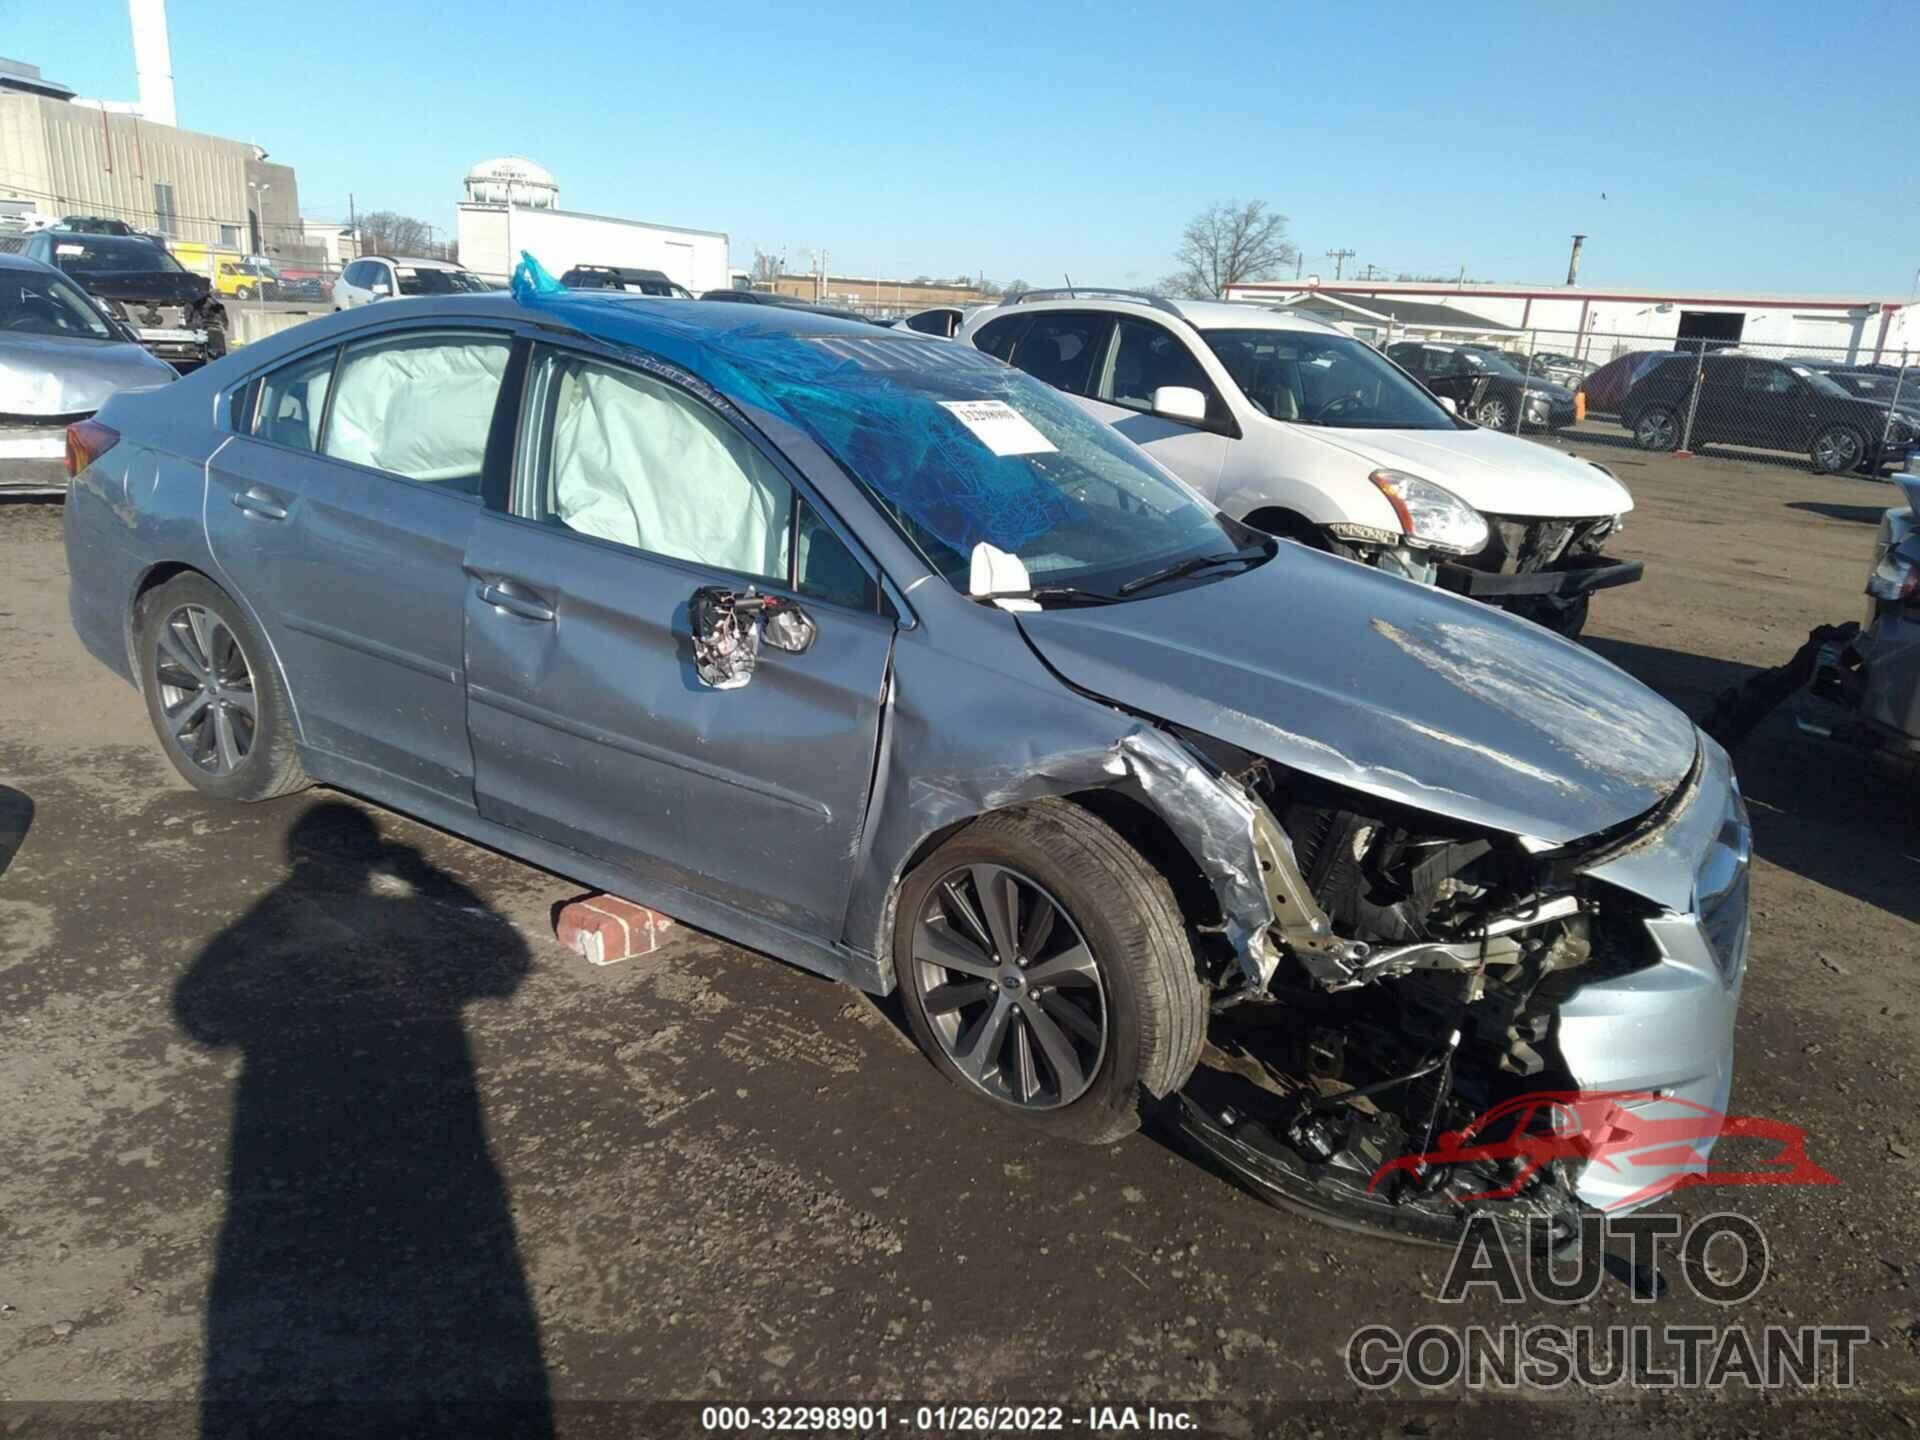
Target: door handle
x=521 y=605
x=256 y=501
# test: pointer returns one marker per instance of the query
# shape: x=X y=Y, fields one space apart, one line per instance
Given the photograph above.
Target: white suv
x=383 y=277
x=1298 y=429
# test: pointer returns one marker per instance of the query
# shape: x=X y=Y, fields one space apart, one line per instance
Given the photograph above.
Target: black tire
x=243 y=292
x=1155 y=1005
x=1495 y=412
x=270 y=765
x=1656 y=428
x=1563 y=617
x=1837 y=449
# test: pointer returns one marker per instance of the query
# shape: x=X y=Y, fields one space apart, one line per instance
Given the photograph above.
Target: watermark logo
x=1649 y=1144
x=1724 y=1259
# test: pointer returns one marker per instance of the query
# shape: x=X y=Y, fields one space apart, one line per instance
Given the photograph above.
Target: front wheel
x=1045 y=969
x=243 y=292
x=1837 y=449
x=213 y=696
x=1494 y=413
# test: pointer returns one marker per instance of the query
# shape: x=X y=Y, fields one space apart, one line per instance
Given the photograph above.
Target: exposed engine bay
x=1420 y=971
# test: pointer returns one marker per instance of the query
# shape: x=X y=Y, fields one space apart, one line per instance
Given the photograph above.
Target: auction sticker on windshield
x=999 y=427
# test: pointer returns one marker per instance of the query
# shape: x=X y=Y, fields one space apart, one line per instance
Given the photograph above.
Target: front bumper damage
x=1328 y=1086
x=1581 y=576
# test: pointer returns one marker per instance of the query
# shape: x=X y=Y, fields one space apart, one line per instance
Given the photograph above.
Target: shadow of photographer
x=367 y=1268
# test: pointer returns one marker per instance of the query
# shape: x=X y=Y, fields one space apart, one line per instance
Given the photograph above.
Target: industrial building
x=1600 y=323
x=514 y=205
x=63 y=154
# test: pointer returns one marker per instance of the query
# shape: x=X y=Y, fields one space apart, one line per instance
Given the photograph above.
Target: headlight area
x=1433 y=524
x=1398 y=1070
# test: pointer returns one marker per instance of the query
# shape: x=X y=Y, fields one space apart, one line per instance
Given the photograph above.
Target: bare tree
x=1229 y=243
x=387 y=232
x=1015 y=288
x=768 y=267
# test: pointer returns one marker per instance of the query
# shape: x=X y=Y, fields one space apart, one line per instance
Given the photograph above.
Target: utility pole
x=1339 y=259
x=1573 y=260
x=1371 y=267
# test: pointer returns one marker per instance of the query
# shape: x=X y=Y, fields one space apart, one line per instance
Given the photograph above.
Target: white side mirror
x=1180 y=402
x=1446 y=404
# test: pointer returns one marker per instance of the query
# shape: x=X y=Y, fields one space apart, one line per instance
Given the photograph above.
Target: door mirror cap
x=1446 y=403
x=1180 y=402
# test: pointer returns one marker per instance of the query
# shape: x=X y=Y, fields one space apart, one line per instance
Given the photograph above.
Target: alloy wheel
x=1493 y=415
x=206 y=690
x=1010 y=987
x=1836 y=450
x=1655 y=430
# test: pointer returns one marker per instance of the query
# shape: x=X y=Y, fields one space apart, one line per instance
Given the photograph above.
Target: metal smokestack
x=1573 y=260
x=153 y=60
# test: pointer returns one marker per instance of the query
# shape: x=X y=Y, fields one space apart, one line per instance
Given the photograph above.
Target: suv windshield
x=35 y=303
x=1321 y=379
x=959 y=449
x=109 y=254
x=1822 y=384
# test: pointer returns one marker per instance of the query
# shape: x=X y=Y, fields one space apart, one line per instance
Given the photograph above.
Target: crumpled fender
x=935 y=771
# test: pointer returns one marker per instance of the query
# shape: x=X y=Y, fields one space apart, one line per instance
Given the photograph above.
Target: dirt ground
x=263 y=1064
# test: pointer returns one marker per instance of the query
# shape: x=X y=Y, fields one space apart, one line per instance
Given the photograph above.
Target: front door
x=590 y=722
x=342 y=515
x=1142 y=358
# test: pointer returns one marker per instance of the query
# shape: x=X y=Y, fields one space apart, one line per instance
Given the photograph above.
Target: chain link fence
x=1837 y=409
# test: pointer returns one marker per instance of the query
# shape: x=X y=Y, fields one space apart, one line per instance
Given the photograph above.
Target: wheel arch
x=158 y=574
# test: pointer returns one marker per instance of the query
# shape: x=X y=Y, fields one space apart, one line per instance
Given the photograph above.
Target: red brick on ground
x=606 y=929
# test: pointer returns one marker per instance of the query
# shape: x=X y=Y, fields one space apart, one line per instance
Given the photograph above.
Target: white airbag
x=418 y=408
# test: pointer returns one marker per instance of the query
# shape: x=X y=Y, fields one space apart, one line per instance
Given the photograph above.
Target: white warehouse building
x=1598 y=324
x=514 y=205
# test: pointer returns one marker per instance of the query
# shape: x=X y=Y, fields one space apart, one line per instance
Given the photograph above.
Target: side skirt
x=700 y=911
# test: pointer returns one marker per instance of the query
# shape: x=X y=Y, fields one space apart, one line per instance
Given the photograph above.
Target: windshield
x=959 y=449
x=109 y=254
x=1322 y=379
x=1497 y=361
x=1822 y=384
x=40 y=304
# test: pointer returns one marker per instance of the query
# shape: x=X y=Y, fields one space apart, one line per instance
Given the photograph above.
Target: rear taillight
x=87 y=441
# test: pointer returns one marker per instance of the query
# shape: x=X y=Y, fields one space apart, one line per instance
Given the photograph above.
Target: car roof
x=1201 y=314
x=415 y=261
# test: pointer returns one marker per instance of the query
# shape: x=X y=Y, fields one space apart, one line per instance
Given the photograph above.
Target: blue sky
x=1725 y=146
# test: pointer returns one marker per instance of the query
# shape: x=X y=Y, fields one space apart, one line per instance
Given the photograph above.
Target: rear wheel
x=1837 y=449
x=214 y=698
x=1045 y=969
x=1657 y=429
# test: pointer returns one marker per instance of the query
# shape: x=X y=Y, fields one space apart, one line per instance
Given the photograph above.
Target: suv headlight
x=1430 y=514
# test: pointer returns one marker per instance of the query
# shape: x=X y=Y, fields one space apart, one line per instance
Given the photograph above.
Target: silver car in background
x=873 y=653
x=60 y=358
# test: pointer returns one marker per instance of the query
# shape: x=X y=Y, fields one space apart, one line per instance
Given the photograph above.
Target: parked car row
x=373 y=278
x=1034 y=725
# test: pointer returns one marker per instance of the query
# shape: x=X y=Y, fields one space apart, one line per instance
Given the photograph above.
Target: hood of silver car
x=1387 y=687
x=71 y=375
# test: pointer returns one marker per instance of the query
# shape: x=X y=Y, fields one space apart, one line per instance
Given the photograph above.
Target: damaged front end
x=1419 y=975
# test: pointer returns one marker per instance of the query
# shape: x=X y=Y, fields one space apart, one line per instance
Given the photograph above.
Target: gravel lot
x=309 y=1049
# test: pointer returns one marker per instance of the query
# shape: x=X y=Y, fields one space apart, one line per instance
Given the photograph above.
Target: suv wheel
x=1045 y=969
x=1837 y=449
x=1657 y=429
x=1494 y=413
x=213 y=697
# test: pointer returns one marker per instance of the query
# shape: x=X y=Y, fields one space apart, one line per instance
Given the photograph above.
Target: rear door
x=342 y=514
x=591 y=726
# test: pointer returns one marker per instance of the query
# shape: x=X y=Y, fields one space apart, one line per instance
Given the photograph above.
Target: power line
x=1339 y=259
